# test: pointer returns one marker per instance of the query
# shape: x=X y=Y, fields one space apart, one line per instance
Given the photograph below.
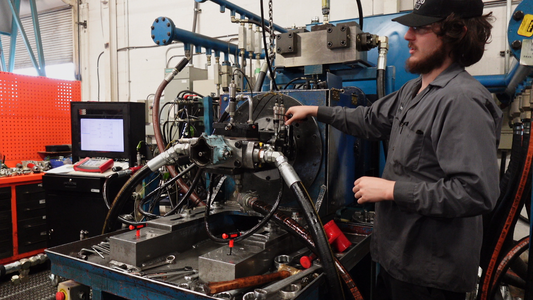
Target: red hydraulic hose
x=518 y=249
x=159 y=137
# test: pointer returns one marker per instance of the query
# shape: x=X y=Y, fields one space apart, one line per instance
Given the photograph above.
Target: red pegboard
x=34 y=112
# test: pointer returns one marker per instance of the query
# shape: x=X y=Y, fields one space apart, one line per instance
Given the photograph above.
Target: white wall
x=140 y=71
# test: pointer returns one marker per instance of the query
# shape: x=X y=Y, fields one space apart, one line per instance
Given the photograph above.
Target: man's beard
x=428 y=63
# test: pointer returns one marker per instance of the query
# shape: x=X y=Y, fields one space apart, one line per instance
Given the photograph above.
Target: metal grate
x=38 y=287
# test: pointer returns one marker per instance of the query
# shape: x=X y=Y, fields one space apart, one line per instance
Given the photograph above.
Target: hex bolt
x=330 y=45
x=516 y=44
x=518 y=15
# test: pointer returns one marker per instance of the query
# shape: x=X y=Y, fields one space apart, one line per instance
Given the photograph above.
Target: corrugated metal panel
x=5 y=17
x=56 y=35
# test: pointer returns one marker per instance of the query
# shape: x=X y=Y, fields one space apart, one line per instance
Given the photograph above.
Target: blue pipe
x=165 y=32
x=243 y=12
x=505 y=84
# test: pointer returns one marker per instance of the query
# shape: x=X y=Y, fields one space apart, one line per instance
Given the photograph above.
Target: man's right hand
x=299 y=113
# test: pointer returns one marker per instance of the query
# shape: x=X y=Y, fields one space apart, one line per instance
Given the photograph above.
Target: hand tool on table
x=174 y=274
x=169 y=260
x=239 y=283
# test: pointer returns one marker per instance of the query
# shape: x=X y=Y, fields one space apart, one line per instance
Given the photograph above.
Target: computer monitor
x=107 y=129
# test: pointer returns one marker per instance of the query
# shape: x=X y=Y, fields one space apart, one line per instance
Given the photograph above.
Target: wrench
x=174 y=274
x=184 y=269
x=169 y=260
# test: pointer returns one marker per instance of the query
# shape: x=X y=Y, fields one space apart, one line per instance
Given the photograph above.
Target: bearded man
x=441 y=172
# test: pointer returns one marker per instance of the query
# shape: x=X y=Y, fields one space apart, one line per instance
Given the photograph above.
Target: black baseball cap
x=426 y=12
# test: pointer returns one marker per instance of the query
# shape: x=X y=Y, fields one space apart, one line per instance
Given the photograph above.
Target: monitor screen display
x=102 y=135
x=107 y=130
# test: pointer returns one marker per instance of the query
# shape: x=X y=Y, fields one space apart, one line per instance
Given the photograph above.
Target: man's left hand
x=373 y=189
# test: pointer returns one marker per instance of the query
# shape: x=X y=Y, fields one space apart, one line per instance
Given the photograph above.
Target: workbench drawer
x=32 y=222
x=32 y=238
x=28 y=246
x=5 y=194
x=6 y=242
x=5 y=220
x=90 y=185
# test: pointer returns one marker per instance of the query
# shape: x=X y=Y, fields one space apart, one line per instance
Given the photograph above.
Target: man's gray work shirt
x=443 y=156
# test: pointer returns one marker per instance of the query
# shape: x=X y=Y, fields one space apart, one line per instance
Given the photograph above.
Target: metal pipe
x=243 y=12
x=325 y=11
x=165 y=32
x=508 y=13
x=505 y=83
x=240 y=97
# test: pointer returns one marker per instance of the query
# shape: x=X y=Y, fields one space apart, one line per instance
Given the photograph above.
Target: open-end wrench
x=184 y=269
x=175 y=274
x=169 y=260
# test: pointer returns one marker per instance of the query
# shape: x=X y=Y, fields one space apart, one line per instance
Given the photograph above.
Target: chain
x=272 y=53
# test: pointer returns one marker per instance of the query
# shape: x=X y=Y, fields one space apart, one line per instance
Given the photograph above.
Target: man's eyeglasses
x=421 y=29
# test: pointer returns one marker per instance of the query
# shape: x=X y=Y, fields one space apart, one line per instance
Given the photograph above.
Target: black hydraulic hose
x=508 y=185
x=171 y=181
x=187 y=194
x=515 y=161
x=303 y=235
x=319 y=236
x=294 y=80
x=248 y=233
x=503 y=162
x=122 y=198
x=360 y=10
x=380 y=83
x=272 y=77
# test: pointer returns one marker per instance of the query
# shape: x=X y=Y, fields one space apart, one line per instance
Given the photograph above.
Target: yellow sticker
x=526 y=28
